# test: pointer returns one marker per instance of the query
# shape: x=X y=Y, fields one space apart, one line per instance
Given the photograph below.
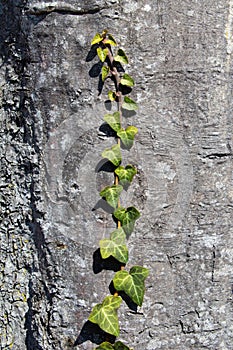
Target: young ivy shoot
x=132 y=282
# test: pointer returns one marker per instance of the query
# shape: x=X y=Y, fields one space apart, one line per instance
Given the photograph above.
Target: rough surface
x=181 y=58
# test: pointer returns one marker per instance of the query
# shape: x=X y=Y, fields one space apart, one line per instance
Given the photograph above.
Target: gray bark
x=181 y=58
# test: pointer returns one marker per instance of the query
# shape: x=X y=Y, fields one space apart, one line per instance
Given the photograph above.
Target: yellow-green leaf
x=121 y=57
x=108 y=346
x=125 y=174
x=129 y=104
x=112 y=95
x=112 y=194
x=105 y=346
x=110 y=40
x=113 y=120
x=115 y=246
x=102 y=53
x=127 y=217
x=113 y=154
x=104 y=72
x=127 y=135
x=127 y=80
x=105 y=314
x=132 y=283
x=97 y=38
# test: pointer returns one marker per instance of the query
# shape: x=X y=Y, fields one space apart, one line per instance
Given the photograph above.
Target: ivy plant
x=131 y=282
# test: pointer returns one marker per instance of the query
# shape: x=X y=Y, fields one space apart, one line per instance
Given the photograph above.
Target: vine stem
x=117 y=79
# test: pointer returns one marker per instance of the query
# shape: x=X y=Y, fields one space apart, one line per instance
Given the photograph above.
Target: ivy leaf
x=127 y=80
x=127 y=217
x=104 y=33
x=111 y=95
x=102 y=53
x=97 y=38
x=108 y=346
x=121 y=57
x=115 y=246
x=127 y=135
x=104 y=72
x=132 y=283
x=120 y=346
x=125 y=174
x=105 y=346
x=113 y=154
x=129 y=104
x=113 y=120
x=110 y=40
x=112 y=194
x=105 y=314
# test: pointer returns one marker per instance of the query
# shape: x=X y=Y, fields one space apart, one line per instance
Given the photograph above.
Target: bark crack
x=218 y=155
x=65 y=10
x=213 y=263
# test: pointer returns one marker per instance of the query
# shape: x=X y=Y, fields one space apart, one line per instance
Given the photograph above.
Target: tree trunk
x=180 y=56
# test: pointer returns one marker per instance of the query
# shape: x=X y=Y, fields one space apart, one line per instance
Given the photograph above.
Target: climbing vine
x=129 y=282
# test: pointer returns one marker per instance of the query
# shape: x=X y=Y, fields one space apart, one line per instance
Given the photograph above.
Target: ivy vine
x=130 y=282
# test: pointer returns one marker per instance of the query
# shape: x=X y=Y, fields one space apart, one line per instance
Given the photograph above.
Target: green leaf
x=113 y=120
x=115 y=246
x=111 y=95
x=110 y=40
x=127 y=135
x=104 y=72
x=127 y=217
x=105 y=346
x=112 y=194
x=129 y=104
x=120 y=346
x=102 y=53
x=127 y=80
x=97 y=38
x=108 y=346
x=105 y=314
x=132 y=283
x=113 y=154
x=121 y=57
x=125 y=174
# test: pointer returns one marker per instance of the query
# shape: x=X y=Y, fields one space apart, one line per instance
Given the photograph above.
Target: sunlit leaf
x=105 y=314
x=132 y=283
x=113 y=120
x=129 y=104
x=111 y=95
x=127 y=80
x=125 y=174
x=113 y=154
x=108 y=346
x=115 y=246
x=105 y=346
x=110 y=40
x=97 y=38
x=127 y=135
x=104 y=72
x=112 y=194
x=102 y=53
x=121 y=57
x=127 y=217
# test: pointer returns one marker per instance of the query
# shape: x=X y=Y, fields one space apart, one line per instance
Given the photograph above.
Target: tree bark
x=51 y=113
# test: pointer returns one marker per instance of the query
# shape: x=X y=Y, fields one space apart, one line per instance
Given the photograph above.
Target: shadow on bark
x=100 y=264
x=94 y=333
x=131 y=305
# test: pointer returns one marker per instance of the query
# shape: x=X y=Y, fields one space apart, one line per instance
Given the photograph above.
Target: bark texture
x=181 y=58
